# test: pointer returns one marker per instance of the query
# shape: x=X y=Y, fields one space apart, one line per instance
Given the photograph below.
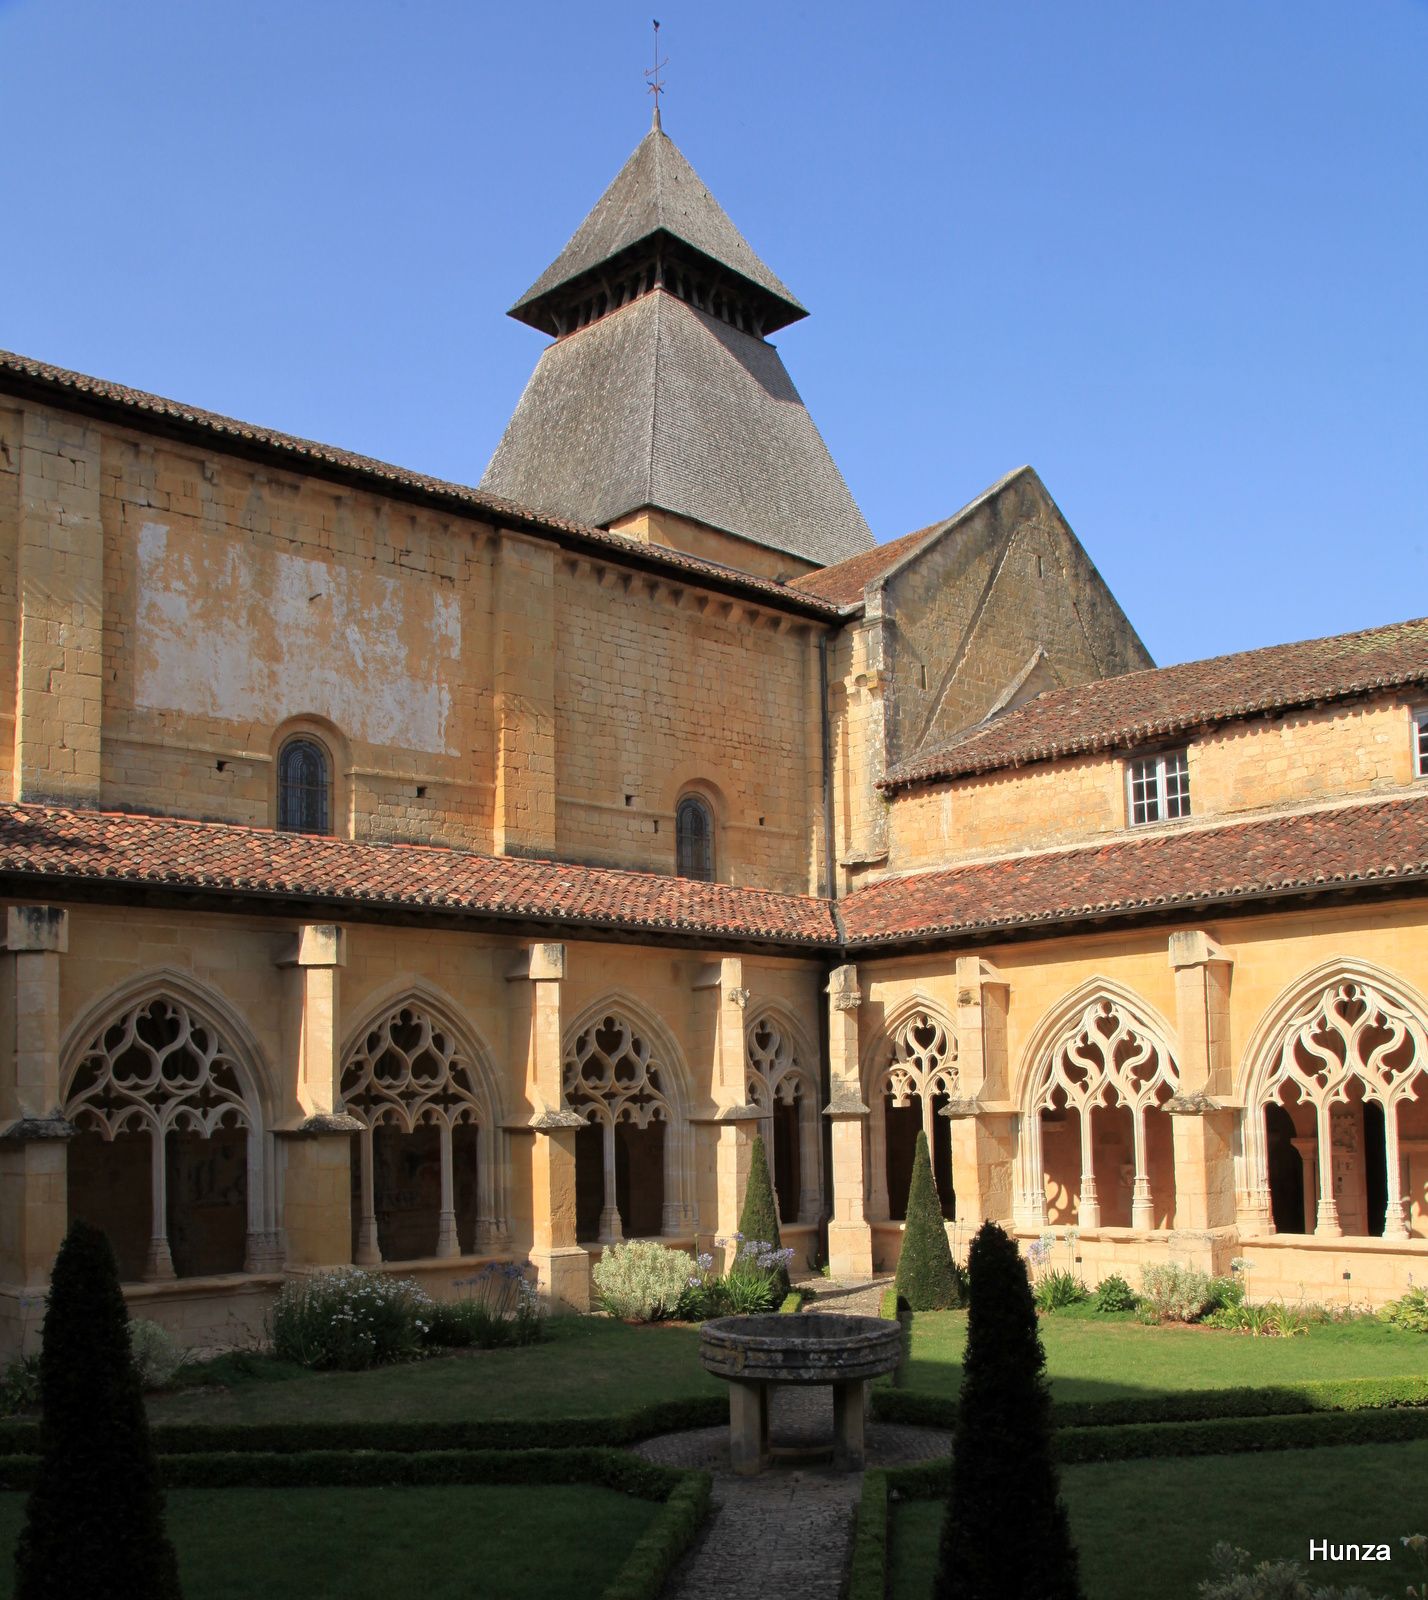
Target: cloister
x=176 y=1153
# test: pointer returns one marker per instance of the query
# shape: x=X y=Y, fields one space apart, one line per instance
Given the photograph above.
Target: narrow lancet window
x=694 y=839
x=304 y=788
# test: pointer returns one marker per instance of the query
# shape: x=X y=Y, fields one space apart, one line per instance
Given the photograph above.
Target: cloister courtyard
x=598 y=1444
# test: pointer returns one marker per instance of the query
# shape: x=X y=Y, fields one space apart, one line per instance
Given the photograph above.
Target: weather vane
x=655 y=87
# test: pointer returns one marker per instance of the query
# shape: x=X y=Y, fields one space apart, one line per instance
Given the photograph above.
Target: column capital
x=538 y=963
x=317 y=944
x=843 y=990
x=1195 y=948
x=35 y=929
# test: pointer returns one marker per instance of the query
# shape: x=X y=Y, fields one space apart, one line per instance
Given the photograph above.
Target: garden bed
x=1138 y=1534
x=441 y=1523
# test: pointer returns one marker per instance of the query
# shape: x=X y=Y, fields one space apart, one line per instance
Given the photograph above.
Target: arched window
x=916 y=1077
x=167 y=1159
x=304 y=788
x=1098 y=1100
x=1335 y=1100
x=420 y=1187
x=787 y=1094
x=614 y=1081
x=694 y=839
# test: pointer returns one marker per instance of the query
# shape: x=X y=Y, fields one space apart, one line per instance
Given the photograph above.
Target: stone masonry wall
x=1239 y=769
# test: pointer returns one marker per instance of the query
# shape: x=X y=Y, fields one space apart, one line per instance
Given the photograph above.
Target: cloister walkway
x=786 y=1532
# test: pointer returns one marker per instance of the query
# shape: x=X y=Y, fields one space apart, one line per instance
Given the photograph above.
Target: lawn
x=505 y=1542
x=1100 y=1358
x=1147 y=1527
x=587 y=1367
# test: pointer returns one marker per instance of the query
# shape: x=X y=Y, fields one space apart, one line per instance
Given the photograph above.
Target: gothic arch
x=621 y=1066
x=910 y=1062
x=166 y=1057
x=782 y=1079
x=1348 y=1033
x=414 y=1064
x=1101 y=1047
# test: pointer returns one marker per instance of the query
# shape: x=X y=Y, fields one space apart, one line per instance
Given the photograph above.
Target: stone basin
x=804 y=1348
x=750 y=1353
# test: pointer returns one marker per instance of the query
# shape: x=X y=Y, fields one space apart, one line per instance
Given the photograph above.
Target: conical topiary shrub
x=758 y=1220
x=1005 y=1534
x=927 y=1280
x=94 y=1524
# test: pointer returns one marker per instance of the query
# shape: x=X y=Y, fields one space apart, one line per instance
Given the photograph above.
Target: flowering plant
x=642 y=1280
x=348 y=1319
x=496 y=1306
x=749 y=1285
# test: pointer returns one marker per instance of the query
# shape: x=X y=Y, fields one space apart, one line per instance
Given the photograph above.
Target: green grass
x=1147 y=1527
x=505 y=1542
x=587 y=1367
x=1098 y=1358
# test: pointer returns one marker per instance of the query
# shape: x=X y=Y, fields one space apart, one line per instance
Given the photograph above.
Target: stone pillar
x=523 y=670
x=34 y=1208
x=983 y=1116
x=60 y=602
x=721 y=1005
x=850 y=1237
x=562 y=1267
x=315 y=1134
x=1203 y=1131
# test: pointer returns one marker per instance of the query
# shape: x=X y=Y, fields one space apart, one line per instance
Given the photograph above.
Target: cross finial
x=655 y=87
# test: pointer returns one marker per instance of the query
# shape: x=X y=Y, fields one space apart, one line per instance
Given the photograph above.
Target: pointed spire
x=664 y=226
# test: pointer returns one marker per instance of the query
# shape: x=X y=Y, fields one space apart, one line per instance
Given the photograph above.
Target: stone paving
x=786 y=1532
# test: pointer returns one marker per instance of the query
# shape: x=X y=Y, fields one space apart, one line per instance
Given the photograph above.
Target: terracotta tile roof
x=844 y=583
x=98 y=847
x=136 y=409
x=1192 y=868
x=1117 y=713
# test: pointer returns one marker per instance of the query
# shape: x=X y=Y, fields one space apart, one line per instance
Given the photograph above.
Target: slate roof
x=660 y=404
x=1193 y=869
x=658 y=191
x=99 y=847
x=135 y=408
x=52 y=850
x=1138 y=707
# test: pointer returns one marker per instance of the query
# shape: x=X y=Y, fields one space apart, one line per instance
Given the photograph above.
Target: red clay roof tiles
x=1116 y=713
x=1193 y=867
x=155 y=852
x=1190 y=868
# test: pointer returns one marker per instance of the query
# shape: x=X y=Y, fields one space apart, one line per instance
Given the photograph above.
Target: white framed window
x=1420 y=742
x=1158 y=787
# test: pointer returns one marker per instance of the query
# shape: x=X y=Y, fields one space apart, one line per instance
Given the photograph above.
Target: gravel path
x=787 y=1531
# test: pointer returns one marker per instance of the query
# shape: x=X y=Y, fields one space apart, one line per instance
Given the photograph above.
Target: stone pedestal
x=849 y=1408
x=748 y=1427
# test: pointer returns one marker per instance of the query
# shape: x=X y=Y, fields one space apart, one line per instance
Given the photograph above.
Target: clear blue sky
x=1175 y=256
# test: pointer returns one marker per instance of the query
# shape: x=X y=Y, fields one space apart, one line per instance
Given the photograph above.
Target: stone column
x=850 y=1238
x=523 y=669
x=315 y=1135
x=59 y=579
x=721 y=1005
x=983 y=1114
x=1307 y=1149
x=562 y=1267
x=1202 y=1129
x=34 y=1209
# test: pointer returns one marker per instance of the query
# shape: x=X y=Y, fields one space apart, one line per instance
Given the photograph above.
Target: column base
x=563 y=1277
x=850 y=1249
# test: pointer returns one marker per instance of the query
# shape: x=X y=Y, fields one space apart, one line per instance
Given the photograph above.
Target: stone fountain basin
x=800 y=1348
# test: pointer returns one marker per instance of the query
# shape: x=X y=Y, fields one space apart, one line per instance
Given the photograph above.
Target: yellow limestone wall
x=1238 y=770
x=292 y=999
x=1260 y=958
x=176 y=613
